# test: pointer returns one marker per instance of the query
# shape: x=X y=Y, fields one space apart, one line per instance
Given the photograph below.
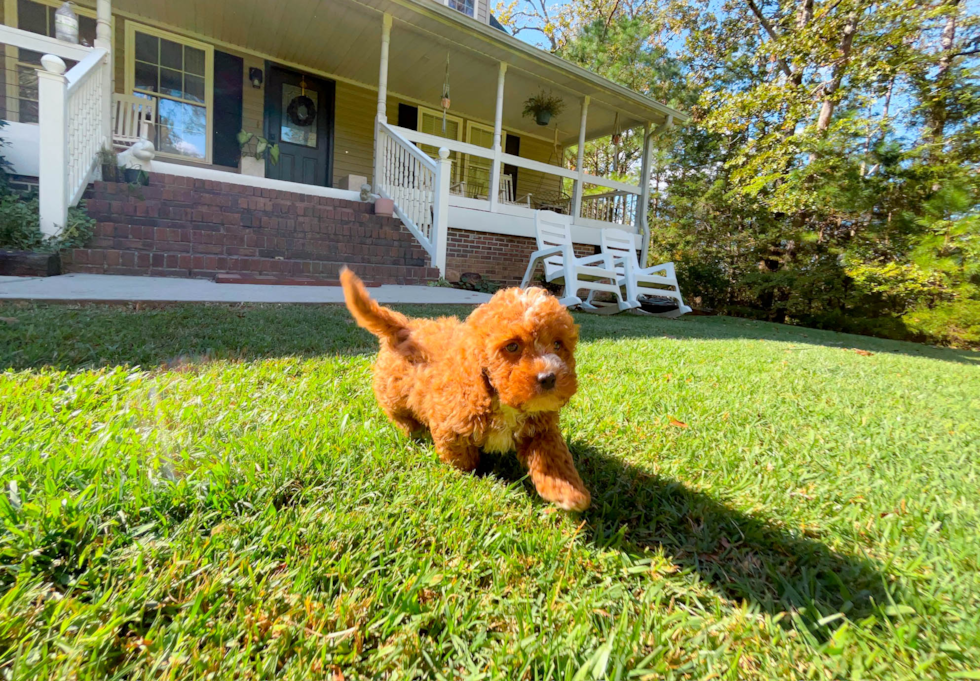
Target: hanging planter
x=445 y=96
x=542 y=107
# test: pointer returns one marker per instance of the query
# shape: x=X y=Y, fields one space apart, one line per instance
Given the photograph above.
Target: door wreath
x=301 y=111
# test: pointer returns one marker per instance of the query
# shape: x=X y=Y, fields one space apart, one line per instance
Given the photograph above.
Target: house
x=352 y=92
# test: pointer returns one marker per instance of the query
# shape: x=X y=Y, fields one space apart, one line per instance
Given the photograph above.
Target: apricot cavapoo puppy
x=494 y=382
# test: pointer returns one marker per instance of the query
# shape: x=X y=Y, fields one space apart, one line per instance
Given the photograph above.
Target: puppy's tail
x=384 y=323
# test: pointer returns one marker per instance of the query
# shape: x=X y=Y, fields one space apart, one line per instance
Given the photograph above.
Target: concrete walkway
x=110 y=288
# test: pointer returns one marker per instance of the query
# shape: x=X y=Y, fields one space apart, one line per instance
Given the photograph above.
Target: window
x=477 y=172
x=464 y=6
x=430 y=121
x=176 y=73
x=21 y=102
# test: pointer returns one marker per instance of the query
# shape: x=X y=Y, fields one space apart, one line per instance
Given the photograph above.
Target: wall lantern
x=255 y=75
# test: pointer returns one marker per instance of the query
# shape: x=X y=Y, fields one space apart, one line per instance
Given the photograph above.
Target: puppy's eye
x=512 y=347
x=558 y=345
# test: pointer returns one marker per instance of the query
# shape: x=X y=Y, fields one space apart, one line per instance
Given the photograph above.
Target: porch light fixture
x=255 y=75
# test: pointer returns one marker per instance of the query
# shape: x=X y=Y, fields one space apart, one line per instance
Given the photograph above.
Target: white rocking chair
x=593 y=272
x=639 y=281
x=133 y=119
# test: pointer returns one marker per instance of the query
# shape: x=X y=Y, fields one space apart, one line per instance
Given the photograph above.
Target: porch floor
x=115 y=288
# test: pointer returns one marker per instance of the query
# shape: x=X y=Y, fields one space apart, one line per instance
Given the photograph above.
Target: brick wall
x=496 y=257
x=184 y=227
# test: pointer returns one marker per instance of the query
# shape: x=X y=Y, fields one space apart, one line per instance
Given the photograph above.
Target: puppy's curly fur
x=494 y=382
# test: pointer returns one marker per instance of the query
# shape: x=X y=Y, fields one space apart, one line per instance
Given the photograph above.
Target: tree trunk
x=937 y=113
x=847 y=40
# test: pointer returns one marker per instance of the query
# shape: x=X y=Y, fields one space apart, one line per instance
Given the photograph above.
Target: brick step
x=184 y=227
x=398 y=248
x=108 y=261
x=231 y=195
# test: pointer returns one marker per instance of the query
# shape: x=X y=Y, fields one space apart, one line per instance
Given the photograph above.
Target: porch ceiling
x=343 y=37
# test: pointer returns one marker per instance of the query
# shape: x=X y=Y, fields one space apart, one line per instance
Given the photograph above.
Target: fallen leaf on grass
x=863 y=353
x=10 y=320
x=678 y=424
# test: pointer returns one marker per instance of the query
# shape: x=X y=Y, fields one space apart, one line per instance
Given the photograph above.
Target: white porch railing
x=419 y=187
x=616 y=207
x=72 y=111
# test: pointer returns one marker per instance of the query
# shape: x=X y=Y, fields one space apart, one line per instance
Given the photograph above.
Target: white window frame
x=132 y=28
x=476 y=4
x=460 y=126
x=470 y=127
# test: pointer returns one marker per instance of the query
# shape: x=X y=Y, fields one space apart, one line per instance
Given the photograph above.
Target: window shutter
x=229 y=75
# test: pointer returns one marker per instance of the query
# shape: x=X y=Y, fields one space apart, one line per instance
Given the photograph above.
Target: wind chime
x=617 y=137
x=445 y=95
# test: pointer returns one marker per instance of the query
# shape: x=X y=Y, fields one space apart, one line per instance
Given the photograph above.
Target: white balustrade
x=618 y=208
x=72 y=109
x=615 y=207
x=419 y=187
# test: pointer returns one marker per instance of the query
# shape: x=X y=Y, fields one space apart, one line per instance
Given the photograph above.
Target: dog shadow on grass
x=741 y=556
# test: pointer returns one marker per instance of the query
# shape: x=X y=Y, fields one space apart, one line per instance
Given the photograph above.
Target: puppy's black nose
x=547 y=381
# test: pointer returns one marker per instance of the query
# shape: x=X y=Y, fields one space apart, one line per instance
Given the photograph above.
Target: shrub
x=956 y=323
x=20 y=225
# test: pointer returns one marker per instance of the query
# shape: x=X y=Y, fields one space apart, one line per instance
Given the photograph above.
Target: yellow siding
x=537 y=184
x=253 y=99
x=118 y=55
x=353 y=136
x=354 y=113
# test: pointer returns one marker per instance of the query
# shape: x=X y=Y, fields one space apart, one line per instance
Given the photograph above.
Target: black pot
x=110 y=173
x=136 y=176
x=542 y=117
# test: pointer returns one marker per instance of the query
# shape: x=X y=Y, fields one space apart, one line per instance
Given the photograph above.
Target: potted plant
x=254 y=150
x=136 y=176
x=542 y=106
x=109 y=160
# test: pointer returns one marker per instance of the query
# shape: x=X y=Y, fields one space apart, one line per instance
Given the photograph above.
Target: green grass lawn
x=211 y=492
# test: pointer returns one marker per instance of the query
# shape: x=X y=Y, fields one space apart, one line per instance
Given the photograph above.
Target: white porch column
x=580 y=182
x=52 y=96
x=645 y=187
x=440 y=210
x=383 y=74
x=382 y=97
x=103 y=24
x=498 y=123
x=103 y=40
x=641 y=220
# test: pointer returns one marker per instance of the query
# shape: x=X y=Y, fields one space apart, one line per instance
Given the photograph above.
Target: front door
x=299 y=118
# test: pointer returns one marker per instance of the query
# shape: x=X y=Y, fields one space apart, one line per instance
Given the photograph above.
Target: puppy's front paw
x=564 y=495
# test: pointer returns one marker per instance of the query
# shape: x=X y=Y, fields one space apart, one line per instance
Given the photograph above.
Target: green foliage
x=956 y=323
x=257 y=146
x=831 y=173
x=211 y=492
x=543 y=102
x=20 y=227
